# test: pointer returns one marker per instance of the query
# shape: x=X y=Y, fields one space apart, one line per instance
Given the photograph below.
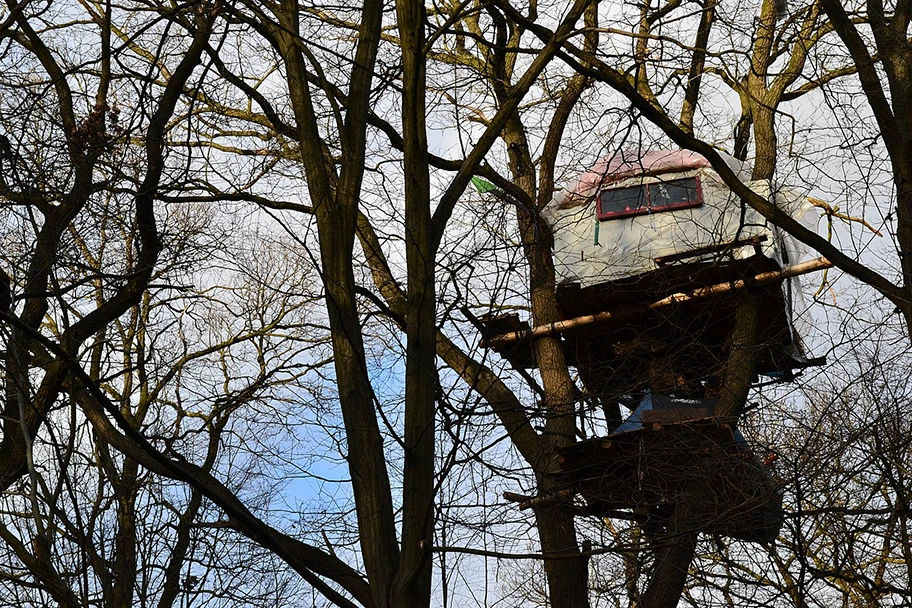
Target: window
x=650 y=198
x=623 y=202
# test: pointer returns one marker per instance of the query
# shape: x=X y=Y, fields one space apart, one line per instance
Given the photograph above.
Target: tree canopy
x=247 y=290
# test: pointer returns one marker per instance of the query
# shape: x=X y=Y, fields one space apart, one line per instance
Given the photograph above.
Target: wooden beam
x=527 y=502
x=718 y=248
x=676 y=298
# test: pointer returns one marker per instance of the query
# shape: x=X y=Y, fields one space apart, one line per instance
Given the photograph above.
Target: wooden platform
x=649 y=470
x=674 y=349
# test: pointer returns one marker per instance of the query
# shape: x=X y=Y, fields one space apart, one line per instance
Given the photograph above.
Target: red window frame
x=649 y=208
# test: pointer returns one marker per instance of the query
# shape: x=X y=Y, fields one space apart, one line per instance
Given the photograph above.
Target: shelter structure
x=650 y=251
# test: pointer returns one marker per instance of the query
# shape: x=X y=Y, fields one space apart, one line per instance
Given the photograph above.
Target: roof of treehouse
x=622 y=165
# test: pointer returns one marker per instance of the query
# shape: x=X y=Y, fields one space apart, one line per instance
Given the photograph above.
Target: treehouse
x=650 y=252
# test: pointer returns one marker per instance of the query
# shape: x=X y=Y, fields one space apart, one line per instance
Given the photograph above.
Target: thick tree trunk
x=568 y=579
x=124 y=566
x=673 y=553
x=738 y=374
x=765 y=143
x=412 y=587
x=903 y=182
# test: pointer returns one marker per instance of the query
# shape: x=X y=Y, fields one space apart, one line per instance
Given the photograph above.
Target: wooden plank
x=708 y=249
x=678 y=414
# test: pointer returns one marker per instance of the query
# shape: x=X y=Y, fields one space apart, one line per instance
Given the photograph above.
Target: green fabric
x=483 y=186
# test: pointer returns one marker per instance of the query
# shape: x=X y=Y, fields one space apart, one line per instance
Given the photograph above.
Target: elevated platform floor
x=668 y=348
x=651 y=469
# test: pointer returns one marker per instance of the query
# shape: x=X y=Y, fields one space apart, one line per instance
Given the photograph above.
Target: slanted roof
x=655 y=408
x=625 y=164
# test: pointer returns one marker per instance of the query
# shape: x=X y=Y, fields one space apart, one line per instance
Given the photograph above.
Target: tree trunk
x=738 y=374
x=568 y=579
x=674 y=551
x=412 y=587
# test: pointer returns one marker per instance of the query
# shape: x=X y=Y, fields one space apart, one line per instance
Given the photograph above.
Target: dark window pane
x=675 y=194
x=622 y=202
